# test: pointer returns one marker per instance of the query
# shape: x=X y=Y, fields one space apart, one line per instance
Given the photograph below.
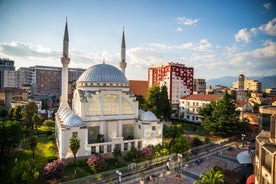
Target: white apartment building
x=199 y=86
x=10 y=77
x=189 y=105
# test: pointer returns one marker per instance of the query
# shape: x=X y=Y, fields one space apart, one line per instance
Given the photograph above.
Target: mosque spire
x=66 y=41
x=65 y=60
x=123 y=63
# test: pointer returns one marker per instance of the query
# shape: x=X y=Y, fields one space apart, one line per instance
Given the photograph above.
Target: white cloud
x=186 y=21
x=179 y=29
x=201 y=46
x=244 y=35
x=161 y=46
x=269 y=28
x=208 y=61
x=267 y=6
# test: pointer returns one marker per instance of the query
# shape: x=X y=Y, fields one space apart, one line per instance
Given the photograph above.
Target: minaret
x=65 y=60
x=123 y=63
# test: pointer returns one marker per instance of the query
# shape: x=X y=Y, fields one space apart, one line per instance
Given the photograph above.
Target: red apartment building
x=177 y=77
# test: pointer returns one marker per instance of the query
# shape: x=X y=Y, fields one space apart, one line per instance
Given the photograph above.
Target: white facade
x=103 y=105
x=188 y=106
x=10 y=77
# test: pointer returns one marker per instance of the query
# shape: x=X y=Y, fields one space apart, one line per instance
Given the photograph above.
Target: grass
x=45 y=150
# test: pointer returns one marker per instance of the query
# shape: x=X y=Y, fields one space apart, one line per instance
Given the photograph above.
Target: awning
x=250 y=179
x=245 y=157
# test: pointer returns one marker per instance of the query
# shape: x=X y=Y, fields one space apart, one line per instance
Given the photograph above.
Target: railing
x=135 y=168
x=130 y=169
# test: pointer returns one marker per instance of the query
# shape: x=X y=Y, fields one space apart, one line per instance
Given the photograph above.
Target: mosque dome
x=141 y=112
x=103 y=73
x=73 y=120
x=148 y=116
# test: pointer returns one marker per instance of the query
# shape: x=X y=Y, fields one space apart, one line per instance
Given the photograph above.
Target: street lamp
x=119 y=176
x=243 y=137
x=179 y=157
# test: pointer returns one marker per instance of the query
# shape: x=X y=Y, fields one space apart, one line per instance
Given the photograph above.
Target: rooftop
x=202 y=97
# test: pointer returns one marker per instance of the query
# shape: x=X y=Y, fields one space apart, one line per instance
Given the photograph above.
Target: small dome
x=102 y=73
x=73 y=120
x=148 y=116
x=141 y=112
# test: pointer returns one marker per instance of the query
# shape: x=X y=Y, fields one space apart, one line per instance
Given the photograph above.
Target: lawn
x=45 y=150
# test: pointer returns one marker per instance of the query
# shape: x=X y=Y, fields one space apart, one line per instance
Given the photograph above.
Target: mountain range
x=267 y=81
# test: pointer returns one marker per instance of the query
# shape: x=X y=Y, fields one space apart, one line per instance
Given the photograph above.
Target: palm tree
x=74 y=146
x=33 y=140
x=213 y=176
x=116 y=153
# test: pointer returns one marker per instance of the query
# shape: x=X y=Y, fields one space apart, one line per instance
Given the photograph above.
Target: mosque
x=105 y=114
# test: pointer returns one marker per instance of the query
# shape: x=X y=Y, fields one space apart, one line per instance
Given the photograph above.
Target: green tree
x=74 y=146
x=213 y=176
x=23 y=172
x=10 y=135
x=17 y=113
x=44 y=104
x=221 y=117
x=49 y=123
x=33 y=141
x=141 y=101
x=157 y=101
x=179 y=143
x=164 y=103
x=3 y=113
x=27 y=113
x=36 y=119
x=10 y=112
x=116 y=153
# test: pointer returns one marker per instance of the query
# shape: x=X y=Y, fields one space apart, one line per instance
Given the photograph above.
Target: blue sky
x=218 y=38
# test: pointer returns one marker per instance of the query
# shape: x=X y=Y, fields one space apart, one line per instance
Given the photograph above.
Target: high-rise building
x=265 y=147
x=177 y=77
x=5 y=65
x=10 y=79
x=199 y=86
x=249 y=85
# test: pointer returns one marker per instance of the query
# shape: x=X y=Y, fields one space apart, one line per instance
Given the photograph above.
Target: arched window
x=126 y=107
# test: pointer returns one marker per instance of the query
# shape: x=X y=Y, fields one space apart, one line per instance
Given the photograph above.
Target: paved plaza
x=226 y=159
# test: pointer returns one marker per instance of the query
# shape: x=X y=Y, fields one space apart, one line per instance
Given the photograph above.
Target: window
x=118 y=146
x=153 y=128
x=111 y=104
x=109 y=148
x=125 y=146
x=92 y=134
x=126 y=107
x=139 y=144
x=93 y=149
x=95 y=108
x=128 y=132
x=101 y=149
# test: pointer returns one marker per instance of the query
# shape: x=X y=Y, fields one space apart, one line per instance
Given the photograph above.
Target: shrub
x=197 y=141
x=96 y=163
x=24 y=172
x=49 y=123
x=133 y=155
x=148 y=152
x=53 y=170
x=52 y=158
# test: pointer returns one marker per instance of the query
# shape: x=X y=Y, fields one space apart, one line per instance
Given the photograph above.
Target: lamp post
x=179 y=157
x=243 y=137
x=119 y=176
